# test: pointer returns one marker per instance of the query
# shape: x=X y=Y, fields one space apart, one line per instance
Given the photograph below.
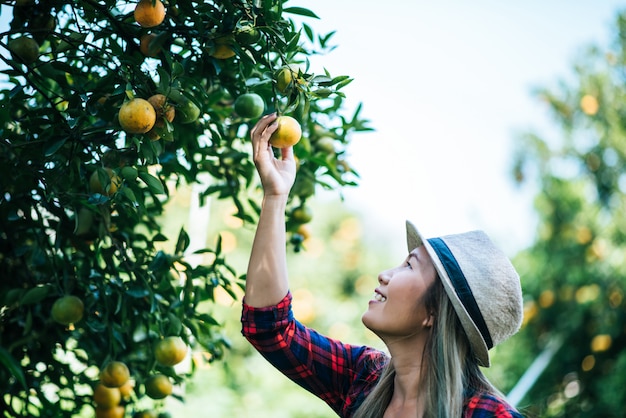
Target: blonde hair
x=451 y=371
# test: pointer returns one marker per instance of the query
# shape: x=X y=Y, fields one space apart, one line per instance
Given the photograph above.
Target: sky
x=448 y=88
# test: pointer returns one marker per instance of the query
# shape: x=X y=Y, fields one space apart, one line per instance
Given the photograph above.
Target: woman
x=438 y=313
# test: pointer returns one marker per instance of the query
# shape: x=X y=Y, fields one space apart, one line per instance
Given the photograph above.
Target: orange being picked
x=170 y=351
x=67 y=310
x=287 y=134
x=137 y=116
x=158 y=386
x=114 y=374
x=149 y=13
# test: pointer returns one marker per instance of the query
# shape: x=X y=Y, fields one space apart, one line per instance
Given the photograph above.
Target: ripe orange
x=170 y=351
x=589 y=104
x=283 y=79
x=24 y=49
x=68 y=310
x=137 y=116
x=158 y=386
x=106 y=397
x=146 y=47
x=127 y=389
x=163 y=109
x=249 y=105
x=115 y=412
x=98 y=184
x=288 y=133
x=114 y=374
x=149 y=13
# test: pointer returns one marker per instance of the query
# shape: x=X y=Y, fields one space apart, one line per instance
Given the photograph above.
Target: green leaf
x=183 y=241
x=300 y=11
x=13 y=367
x=35 y=295
x=153 y=183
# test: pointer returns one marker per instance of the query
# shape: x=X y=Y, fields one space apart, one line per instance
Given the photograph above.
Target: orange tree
x=107 y=108
x=574 y=274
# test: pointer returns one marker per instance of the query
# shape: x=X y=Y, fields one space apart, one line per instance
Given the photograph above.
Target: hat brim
x=415 y=239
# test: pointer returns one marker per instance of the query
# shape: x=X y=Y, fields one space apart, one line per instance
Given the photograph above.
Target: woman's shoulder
x=488 y=405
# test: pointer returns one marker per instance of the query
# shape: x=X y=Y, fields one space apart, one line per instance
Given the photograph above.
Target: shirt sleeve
x=328 y=368
x=483 y=405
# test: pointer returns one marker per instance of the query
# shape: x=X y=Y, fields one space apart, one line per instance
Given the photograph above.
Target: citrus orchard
x=149 y=14
x=67 y=310
x=170 y=351
x=287 y=134
x=137 y=116
x=249 y=105
x=114 y=374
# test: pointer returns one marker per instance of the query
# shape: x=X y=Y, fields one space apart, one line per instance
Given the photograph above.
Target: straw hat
x=480 y=281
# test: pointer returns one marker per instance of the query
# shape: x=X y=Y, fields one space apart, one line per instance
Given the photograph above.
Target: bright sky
x=448 y=87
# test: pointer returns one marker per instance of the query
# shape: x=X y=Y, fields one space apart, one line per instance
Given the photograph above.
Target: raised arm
x=267 y=282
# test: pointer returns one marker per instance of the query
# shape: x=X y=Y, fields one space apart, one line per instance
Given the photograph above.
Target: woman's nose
x=383 y=278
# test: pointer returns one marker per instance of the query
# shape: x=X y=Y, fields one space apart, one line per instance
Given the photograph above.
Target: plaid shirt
x=340 y=374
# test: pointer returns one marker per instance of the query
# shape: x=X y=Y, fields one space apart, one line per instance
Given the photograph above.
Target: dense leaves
x=62 y=235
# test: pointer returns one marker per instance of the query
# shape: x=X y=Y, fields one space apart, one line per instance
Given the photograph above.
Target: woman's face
x=397 y=308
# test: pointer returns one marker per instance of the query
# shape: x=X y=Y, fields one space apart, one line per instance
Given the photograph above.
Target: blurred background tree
x=89 y=273
x=575 y=272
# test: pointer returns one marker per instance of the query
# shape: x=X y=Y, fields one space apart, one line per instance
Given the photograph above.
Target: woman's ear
x=429 y=321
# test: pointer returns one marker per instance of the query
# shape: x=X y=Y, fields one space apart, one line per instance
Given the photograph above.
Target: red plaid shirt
x=340 y=374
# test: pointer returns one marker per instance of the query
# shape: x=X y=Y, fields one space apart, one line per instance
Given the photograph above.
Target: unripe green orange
x=170 y=351
x=68 y=310
x=249 y=105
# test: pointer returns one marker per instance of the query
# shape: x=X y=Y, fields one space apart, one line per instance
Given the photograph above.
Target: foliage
x=59 y=125
x=574 y=274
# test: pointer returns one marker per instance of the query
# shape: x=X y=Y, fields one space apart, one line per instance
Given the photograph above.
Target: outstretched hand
x=277 y=175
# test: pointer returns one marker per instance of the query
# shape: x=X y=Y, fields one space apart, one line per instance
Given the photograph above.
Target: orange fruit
x=589 y=104
x=97 y=185
x=247 y=35
x=283 y=79
x=170 y=351
x=68 y=310
x=106 y=397
x=137 y=116
x=114 y=412
x=249 y=105
x=24 y=49
x=149 y=13
x=145 y=45
x=287 y=134
x=302 y=214
x=127 y=388
x=163 y=109
x=223 y=47
x=114 y=374
x=158 y=386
